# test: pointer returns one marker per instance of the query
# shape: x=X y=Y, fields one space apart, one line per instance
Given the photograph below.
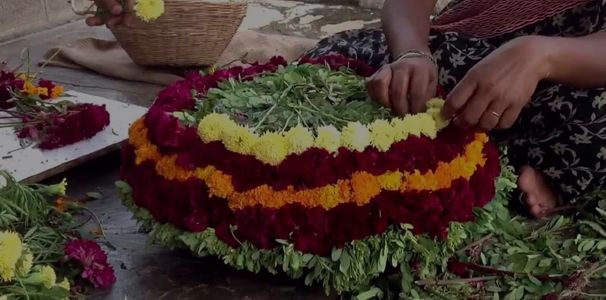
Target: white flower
x=553 y=173
x=599 y=101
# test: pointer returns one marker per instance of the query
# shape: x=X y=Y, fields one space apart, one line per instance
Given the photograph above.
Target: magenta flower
x=93 y=261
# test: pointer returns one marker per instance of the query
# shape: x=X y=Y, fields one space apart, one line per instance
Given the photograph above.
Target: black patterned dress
x=561 y=132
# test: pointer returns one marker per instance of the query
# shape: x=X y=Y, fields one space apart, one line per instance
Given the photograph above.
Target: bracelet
x=415 y=54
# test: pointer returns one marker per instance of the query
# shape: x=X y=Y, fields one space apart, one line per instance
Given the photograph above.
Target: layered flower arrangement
x=32 y=107
x=274 y=155
x=42 y=252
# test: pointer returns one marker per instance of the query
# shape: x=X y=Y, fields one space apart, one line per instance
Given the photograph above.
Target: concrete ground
x=150 y=272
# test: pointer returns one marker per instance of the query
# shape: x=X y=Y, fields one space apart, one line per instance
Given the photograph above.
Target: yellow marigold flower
x=355 y=136
x=149 y=10
x=427 y=125
x=435 y=103
x=49 y=278
x=214 y=126
x=25 y=263
x=64 y=284
x=10 y=252
x=30 y=88
x=58 y=189
x=382 y=135
x=299 y=139
x=57 y=92
x=271 y=148
x=328 y=138
x=240 y=140
x=44 y=275
x=42 y=91
x=434 y=109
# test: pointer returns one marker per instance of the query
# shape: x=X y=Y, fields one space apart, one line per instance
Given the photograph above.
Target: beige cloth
x=108 y=57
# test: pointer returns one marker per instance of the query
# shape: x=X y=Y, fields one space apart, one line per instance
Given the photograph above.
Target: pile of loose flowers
x=41 y=253
x=32 y=107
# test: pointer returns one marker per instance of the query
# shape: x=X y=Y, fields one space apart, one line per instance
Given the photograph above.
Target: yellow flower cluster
x=149 y=10
x=272 y=148
x=16 y=261
x=360 y=188
x=32 y=90
x=11 y=248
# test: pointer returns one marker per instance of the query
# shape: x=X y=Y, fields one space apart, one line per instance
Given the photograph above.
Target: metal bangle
x=415 y=54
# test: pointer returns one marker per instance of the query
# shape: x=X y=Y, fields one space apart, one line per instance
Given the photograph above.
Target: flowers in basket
x=35 y=109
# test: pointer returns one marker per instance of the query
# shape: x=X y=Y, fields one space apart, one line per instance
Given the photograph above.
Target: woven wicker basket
x=189 y=33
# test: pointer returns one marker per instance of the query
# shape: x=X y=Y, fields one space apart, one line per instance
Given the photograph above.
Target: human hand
x=405 y=86
x=113 y=8
x=494 y=92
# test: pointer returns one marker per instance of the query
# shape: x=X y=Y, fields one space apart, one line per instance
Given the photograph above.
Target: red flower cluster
x=93 y=262
x=8 y=83
x=187 y=205
x=54 y=130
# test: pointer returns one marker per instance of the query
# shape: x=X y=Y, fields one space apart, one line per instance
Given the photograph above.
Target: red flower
x=49 y=85
x=457 y=268
x=93 y=262
x=55 y=130
x=8 y=83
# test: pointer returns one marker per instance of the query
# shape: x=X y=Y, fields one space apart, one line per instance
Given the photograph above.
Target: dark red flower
x=49 y=85
x=93 y=262
x=8 y=83
x=457 y=268
x=58 y=129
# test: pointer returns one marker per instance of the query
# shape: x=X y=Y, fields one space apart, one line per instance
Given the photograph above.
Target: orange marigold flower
x=61 y=204
x=57 y=92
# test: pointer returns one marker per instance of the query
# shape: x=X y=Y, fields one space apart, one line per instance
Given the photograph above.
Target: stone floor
x=150 y=272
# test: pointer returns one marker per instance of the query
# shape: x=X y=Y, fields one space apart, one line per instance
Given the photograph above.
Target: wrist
x=414 y=53
x=540 y=53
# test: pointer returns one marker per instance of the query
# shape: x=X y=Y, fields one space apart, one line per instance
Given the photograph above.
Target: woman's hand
x=113 y=7
x=405 y=86
x=493 y=93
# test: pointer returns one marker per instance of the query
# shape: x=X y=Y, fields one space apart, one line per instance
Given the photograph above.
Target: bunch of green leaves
x=28 y=210
x=308 y=95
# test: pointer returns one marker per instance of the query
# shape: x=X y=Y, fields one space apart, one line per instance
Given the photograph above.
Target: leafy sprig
x=308 y=95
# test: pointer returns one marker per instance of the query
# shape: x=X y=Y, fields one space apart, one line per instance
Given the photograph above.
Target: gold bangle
x=415 y=54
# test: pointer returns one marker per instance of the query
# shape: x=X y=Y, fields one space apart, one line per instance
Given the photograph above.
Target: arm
x=406 y=24
x=580 y=62
x=407 y=84
x=494 y=92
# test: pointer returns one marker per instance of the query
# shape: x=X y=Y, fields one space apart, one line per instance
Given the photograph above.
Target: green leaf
x=534 y=280
x=372 y=293
x=531 y=263
x=345 y=262
x=383 y=259
x=336 y=254
x=545 y=262
x=595 y=226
